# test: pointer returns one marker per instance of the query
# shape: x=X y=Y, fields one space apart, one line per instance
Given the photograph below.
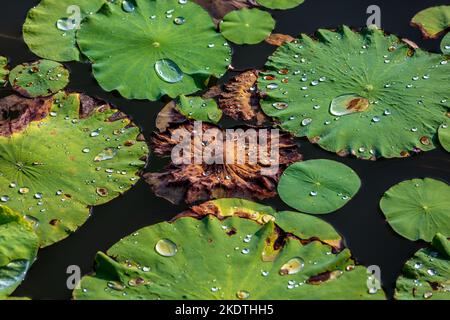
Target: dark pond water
x=367 y=234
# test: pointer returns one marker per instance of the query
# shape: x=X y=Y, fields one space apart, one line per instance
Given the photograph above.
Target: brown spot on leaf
x=358 y=104
x=232 y=232
x=323 y=277
x=278 y=39
x=54 y=222
x=88 y=105
x=17 y=112
x=102 y=192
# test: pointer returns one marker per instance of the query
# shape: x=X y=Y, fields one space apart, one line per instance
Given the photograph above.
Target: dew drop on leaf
x=166 y=248
x=65 y=24
x=127 y=6
x=179 y=20
x=242 y=294
x=106 y=154
x=293 y=266
x=168 y=71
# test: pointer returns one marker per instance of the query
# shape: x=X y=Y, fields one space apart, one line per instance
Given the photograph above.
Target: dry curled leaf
x=219 y=8
x=234 y=171
x=278 y=39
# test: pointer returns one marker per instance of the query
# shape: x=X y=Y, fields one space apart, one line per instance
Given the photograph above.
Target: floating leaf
x=372 y=89
x=224 y=259
x=4 y=71
x=199 y=109
x=418 y=208
x=172 y=48
x=445 y=44
x=49 y=159
x=247 y=26
x=219 y=8
x=280 y=4
x=318 y=186
x=432 y=21
x=39 y=79
x=213 y=166
x=444 y=137
x=18 y=248
x=426 y=276
x=50 y=27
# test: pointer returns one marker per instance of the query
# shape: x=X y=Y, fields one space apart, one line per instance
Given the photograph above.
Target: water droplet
x=376 y=119
x=214 y=289
x=182 y=1
x=66 y=24
x=293 y=266
x=12 y=185
x=428 y=295
x=107 y=154
x=168 y=71
x=242 y=294
x=4 y=198
x=313 y=193
x=373 y=290
x=127 y=6
x=86 y=150
x=166 y=248
x=316 y=107
x=24 y=190
x=314 y=83
x=245 y=251
x=115 y=285
x=348 y=104
x=179 y=20
x=211 y=45
x=418 y=265
x=431 y=272
x=387 y=112
x=272 y=86
x=264 y=273
x=280 y=105
x=146 y=269
x=53 y=114
x=426 y=77
x=306 y=122
x=415 y=78
x=345 y=197
x=38 y=195
x=94 y=134
x=322 y=79
x=414 y=129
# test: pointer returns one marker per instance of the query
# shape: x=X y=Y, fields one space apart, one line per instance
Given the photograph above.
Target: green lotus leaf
x=62 y=155
x=233 y=257
x=18 y=248
x=280 y=4
x=368 y=94
x=247 y=26
x=4 y=71
x=432 y=21
x=427 y=274
x=199 y=109
x=445 y=44
x=318 y=186
x=418 y=208
x=39 y=78
x=444 y=137
x=158 y=48
x=50 y=27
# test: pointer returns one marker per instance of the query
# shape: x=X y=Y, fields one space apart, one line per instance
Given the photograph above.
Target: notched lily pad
x=247 y=26
x=223 y=253
x=172 y=48
x=318 y=186
x=39 y=78
x=374 y=88
x=50 y=27
x=280 y=4
x=444 y=137
x=197 y=108
x=57 y=153
x=18 y=248
x=418 y=208
x=432 y=21
x=223 y=170
x=4 y=71
x=426 y=276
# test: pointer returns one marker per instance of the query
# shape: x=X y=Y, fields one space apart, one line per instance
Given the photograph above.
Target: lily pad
x=418 y=208
x=199 y=109
x=426 y=276
x=4 y=71
x=62 y=155
x=375 y=97
x=280 y=4
x=39 y=79
x=445 y=44
x=198 y=173
x=172 y=48
x=18 y=248
x=203 y=257
x=432 y=21
x=50 y=27
x=247 y=26
x=444 y=137
x=318 y=186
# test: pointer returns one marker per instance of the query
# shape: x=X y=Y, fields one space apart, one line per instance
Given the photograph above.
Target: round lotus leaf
x=418 y=208
x=197 y=108
x=444 y=137
x=232 y=257
x=39 y=79
x=4 y=71
x=157 y=48
x=366 y=94
x=50 y=27
x=427 y=274
x=445 y=44
x=247 y=26
x=18 y=248
x=432 y=21
x=318 y=186
x=60 y=156
x=280 y=4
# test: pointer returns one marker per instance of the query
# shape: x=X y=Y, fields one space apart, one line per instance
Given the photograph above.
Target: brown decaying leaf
x=278 y=39
x=17 y=112
x=219 y=8
x=194 y=183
